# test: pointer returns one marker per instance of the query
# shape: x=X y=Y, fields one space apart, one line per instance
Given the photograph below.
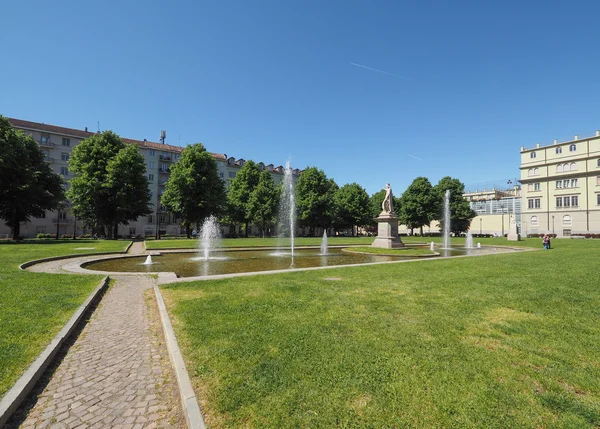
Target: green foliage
x=418 y=204
x=28 y=186
x=352 y=206
x=240 y=193
x=314 y=196
x=461 y=213
x=194 y=190
x=263 y=202
x=110 y=186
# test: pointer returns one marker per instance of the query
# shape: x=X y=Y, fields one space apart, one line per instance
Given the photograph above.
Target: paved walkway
x=117 y=373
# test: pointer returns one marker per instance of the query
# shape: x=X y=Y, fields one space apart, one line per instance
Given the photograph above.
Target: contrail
x=375 y=70
x=414 y=157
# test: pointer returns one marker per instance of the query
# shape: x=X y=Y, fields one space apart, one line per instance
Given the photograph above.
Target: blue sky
x=368 y=91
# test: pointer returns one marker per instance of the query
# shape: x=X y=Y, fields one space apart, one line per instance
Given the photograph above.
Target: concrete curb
x=191 y=410
x=28 y=264
x=15 y=396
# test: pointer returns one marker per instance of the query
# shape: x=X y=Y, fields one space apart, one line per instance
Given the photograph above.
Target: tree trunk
x=246 y=230
x=16 y=230
x=116 y=231
x=188 y=232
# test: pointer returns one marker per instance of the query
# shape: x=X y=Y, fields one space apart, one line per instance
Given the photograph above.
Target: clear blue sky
x=368 y=91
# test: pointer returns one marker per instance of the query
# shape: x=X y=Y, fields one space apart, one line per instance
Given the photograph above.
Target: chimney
x=537 y=145
x=522 y=148
x=576 y=137
x=597 y=133
x=86 y=129
x=555 y=141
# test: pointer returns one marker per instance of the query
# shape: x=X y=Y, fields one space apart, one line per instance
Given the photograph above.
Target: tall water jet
x=324 y=244
x=446 y=228
x=148 y=260
x=469 y=240
x=432 y=246
x=210 y=235
x=287 y=208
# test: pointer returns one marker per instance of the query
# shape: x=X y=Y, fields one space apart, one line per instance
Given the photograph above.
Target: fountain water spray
x=148 y=260
x=324 y=244
x=287 y=208
x=432 y=246
x=469 y=240
x=446 y=229
x=210 y=235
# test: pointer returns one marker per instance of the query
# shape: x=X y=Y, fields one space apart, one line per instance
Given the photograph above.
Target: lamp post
x=57 y=224
x=480 y=219
x=552 y=224
x=502 y=208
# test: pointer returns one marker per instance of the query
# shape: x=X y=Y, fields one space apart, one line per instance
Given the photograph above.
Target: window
x=151 y=164
x=533 y=172
x=559 y=150
x=534 y=221
x=566 y=183
x=597 y=180
x=567 y=201
x=45 y=138
x=566 y=232
x=149 y=218
x=152 y=152
x=66 y=142
x=573 y=183
x=536 y=186
x=151 y=178
x=64 y=171
x=62 y=215
x=559 y=168
x=598 y=163
x=221 y=174
x=572 y=148
x=46 y=154
x=574 y=201
x=559 y=202
x=231 y=174
x=164 y=168
x=573 y=167
x=567 y=220
x=532 y=155
x=533 y=203
x=43 y=216
x=598 y=199
x=64 y=156
x=559 y=184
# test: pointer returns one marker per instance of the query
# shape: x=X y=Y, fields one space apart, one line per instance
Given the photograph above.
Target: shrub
x=43 y=235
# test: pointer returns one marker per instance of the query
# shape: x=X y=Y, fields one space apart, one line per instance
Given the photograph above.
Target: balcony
x=62 y=221
x=45 y=143
x=165 y=158
x=164 y=171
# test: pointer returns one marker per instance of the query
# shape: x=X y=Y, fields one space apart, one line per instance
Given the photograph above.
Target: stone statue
x=387 y=205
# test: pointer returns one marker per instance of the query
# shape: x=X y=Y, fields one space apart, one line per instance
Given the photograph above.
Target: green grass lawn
x=35 y=306
x=255 y=242
x=508 y=340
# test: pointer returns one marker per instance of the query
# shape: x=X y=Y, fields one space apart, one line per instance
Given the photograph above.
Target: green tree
x=314 y=199
x=262 y=206
x=110 y=187
x=461 y=213
x=240 y=191
x=352 y=207
x=194 y=190
x=28 y=186
x=418 y=204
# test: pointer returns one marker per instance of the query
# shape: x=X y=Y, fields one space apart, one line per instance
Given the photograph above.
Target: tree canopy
x=263 y=202
x=240 y=192
x=314 y=199
x=461 y=213
x=110 y=187
x=352 y=206
x=28 y=186
x=194 y=190
x=418 y=204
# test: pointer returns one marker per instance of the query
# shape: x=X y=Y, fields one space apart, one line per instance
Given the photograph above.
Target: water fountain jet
x=324 y=244
x=210 y=235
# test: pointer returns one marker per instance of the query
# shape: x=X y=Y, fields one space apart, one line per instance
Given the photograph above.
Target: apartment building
x=57 y=142
x=561 y=187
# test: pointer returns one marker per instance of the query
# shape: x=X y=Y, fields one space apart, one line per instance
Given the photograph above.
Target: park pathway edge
x=15 y=396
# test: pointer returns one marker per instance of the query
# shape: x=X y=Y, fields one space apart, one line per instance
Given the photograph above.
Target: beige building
x=57 y=143
x=561 y=187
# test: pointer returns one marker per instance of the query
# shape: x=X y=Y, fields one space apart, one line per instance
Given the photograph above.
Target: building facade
x=561 y=187
x=57 y=142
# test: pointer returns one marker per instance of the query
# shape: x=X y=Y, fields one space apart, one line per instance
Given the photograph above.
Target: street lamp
x=552 y=224
x=502 y=208
x=480 y=219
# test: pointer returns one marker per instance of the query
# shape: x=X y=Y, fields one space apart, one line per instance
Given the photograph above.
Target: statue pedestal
x=387 y=232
